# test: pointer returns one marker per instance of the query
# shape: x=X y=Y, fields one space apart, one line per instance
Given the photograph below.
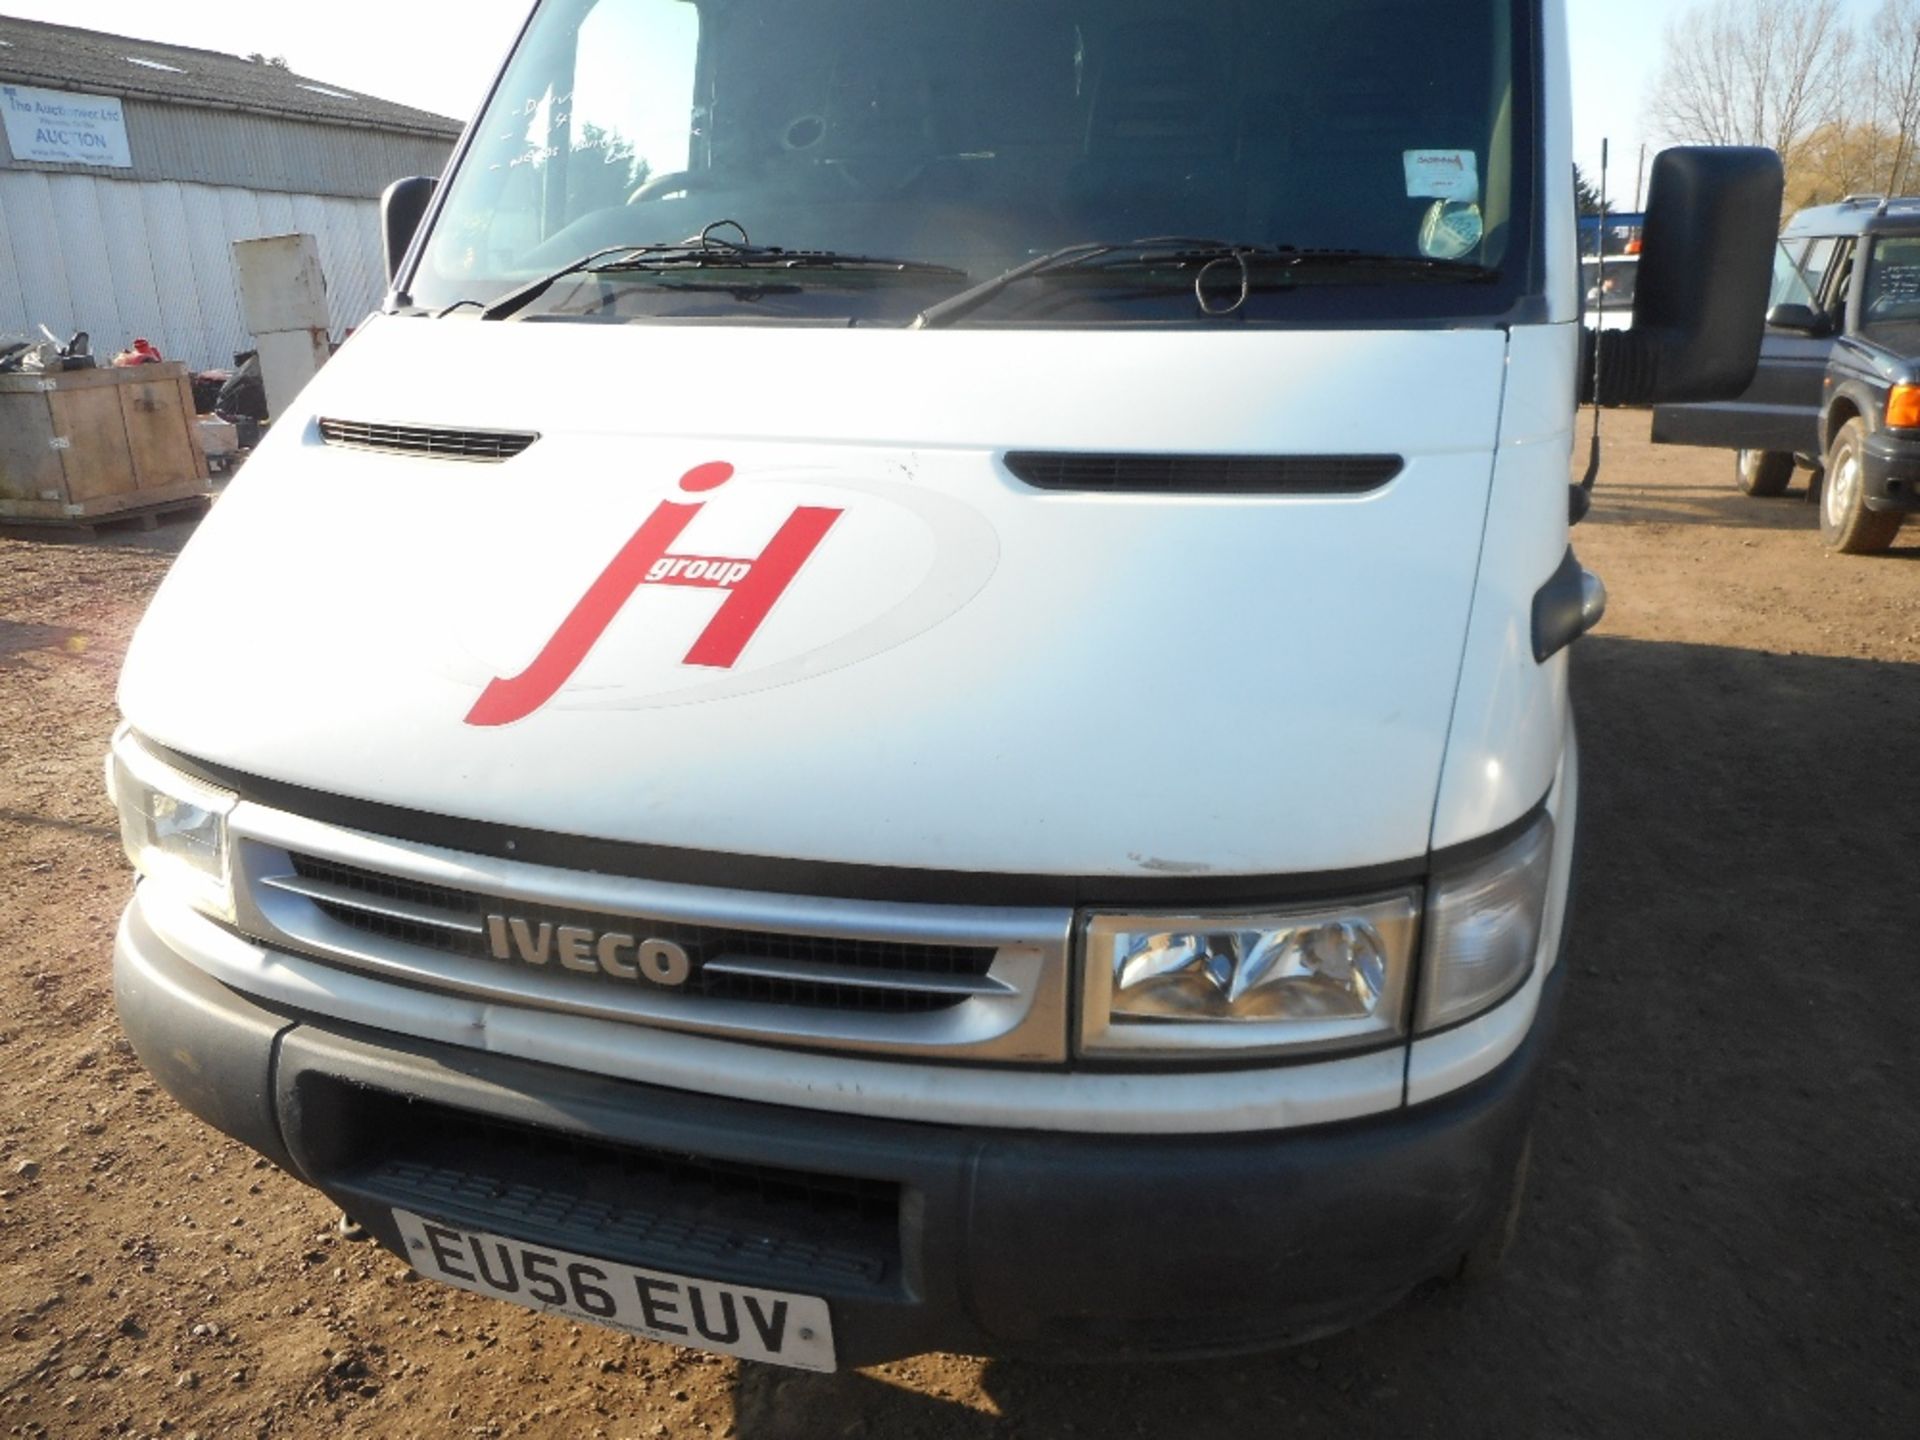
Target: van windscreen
x=971 y=137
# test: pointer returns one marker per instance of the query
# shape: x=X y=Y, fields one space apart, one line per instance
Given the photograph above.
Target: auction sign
x=62 y=129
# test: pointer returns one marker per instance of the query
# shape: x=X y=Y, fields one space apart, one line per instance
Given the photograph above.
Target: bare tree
x=1891 y=81
x=1755 y=72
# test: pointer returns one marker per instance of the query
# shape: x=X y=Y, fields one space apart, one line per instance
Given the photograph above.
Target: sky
x=412 y=54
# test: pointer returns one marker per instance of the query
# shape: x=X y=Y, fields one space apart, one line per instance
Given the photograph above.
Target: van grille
x=730 y=964
x=803 y=971
x=487 y=446
x=1204 y=474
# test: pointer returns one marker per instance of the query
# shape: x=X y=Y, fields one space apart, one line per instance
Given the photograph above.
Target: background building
x=128 y=168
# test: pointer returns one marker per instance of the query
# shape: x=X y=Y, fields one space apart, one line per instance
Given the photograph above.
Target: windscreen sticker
x=1443 y=174
x=1452 y=230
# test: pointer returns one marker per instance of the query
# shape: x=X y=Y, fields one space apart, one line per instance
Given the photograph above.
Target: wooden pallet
x=141 y=518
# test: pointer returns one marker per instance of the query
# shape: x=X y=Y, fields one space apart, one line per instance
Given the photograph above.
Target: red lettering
x=752 y=598
x=753 y=586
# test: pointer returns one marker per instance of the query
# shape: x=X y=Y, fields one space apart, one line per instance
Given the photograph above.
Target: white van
x=913 y=693
x=1608 y=286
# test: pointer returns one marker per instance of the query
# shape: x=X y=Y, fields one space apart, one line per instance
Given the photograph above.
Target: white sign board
x=64 y=129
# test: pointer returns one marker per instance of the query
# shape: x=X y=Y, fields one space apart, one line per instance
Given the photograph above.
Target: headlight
x=1483 y=929
x=173 y=826
x=1287 y=980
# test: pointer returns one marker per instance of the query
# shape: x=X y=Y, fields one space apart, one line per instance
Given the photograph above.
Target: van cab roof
x=1856 y=215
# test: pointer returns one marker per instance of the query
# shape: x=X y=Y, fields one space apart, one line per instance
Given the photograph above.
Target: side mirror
x=1803 y=318
x=1706 y=265
x=402 y=205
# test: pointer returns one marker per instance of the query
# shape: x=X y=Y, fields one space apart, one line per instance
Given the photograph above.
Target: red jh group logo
x=752 y=585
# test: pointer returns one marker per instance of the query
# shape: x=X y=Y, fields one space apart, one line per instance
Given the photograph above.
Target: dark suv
x=1838 y=388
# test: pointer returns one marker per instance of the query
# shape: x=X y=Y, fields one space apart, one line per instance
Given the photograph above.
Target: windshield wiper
x=703 y=252
x=1163 y=251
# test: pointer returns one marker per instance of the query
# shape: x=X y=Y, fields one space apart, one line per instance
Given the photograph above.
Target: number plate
x=767 y=1325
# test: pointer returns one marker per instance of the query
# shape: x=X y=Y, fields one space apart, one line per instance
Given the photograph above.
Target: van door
x=1780 y=410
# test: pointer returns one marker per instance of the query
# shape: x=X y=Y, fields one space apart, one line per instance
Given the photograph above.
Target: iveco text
x=624 y=957
x=922 y=636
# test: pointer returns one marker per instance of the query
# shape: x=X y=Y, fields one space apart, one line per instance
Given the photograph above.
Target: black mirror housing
x=1803 y=318
x=1706 y=266
x=402 y=206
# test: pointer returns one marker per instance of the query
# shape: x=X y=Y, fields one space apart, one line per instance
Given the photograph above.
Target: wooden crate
x=80 y=444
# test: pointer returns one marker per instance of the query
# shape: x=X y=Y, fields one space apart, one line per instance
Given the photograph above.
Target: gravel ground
x=1721 y=1233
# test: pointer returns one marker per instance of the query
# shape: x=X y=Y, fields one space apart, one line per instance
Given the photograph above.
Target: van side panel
x=1510 y=715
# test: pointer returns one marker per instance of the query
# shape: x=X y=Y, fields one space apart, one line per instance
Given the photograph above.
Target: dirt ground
x=1721 y=1235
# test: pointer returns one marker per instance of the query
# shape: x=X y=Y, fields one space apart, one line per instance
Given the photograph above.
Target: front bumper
x=1890 y=471
x=921 y=1237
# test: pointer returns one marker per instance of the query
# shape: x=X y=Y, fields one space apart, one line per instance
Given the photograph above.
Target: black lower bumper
x=1890 y=473
x=921 y=1237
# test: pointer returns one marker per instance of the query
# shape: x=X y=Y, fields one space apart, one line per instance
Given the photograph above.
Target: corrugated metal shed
x=119 y=259
x=222 y=150
x=259 y=152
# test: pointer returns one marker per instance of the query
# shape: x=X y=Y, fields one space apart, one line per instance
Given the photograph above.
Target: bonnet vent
x=1204 y=474
x=490 y=446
